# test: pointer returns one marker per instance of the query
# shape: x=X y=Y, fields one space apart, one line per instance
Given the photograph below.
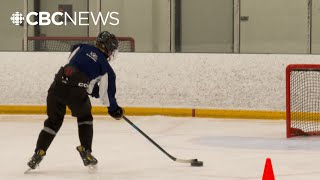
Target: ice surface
x=230 y=149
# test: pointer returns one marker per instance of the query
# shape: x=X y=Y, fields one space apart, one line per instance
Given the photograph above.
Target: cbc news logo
x=17 y=18
x=60 y=18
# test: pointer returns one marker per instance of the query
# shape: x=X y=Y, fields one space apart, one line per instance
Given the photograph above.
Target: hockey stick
x=193 y=162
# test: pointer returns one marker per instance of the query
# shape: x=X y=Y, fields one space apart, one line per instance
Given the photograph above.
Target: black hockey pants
x=61 y=95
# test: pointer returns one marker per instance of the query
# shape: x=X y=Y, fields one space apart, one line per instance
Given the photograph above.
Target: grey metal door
x=274 y=26
x=70 y=29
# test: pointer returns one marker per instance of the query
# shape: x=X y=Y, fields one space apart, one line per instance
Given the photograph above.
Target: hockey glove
x=117 y=114
x=95 y=91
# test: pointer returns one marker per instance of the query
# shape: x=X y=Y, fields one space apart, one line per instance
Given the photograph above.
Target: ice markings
x=300 y=143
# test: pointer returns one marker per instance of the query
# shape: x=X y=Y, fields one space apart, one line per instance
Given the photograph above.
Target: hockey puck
x=197 y=163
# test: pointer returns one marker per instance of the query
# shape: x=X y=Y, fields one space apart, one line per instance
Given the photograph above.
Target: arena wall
x=214 y=85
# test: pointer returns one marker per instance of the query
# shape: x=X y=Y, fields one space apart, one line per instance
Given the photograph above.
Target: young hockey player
x=88 y=72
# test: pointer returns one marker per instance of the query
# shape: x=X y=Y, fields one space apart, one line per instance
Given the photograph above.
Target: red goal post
x=303 y=99
x=64 y=44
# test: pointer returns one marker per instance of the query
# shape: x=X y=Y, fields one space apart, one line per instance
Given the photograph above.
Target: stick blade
x=186 y=160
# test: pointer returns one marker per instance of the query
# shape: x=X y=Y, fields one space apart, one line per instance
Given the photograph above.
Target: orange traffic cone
x=268 y=171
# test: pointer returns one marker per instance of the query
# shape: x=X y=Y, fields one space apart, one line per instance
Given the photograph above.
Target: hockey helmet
x=108 y=43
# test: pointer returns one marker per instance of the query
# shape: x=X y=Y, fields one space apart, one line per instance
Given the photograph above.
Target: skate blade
x=27 y=171
x=93 y=168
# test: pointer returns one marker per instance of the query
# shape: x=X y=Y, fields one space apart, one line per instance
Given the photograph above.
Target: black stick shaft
x=146 y=136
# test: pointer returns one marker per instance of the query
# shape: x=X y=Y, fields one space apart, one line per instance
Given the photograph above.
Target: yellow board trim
x=241 y=114
x=142 y=111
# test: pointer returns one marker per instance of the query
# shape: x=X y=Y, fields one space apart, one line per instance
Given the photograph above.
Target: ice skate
x=35 y=160
x=87 y=158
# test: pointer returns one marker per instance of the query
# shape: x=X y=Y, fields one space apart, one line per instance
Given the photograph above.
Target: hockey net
x=64 y=44
x=303 y=99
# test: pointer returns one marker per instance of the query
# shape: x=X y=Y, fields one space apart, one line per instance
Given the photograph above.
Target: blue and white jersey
x=91 y=61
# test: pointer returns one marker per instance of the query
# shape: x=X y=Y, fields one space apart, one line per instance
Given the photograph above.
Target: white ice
x=230 y=150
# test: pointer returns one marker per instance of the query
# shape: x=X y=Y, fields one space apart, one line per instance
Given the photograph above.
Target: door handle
x=244 y=18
